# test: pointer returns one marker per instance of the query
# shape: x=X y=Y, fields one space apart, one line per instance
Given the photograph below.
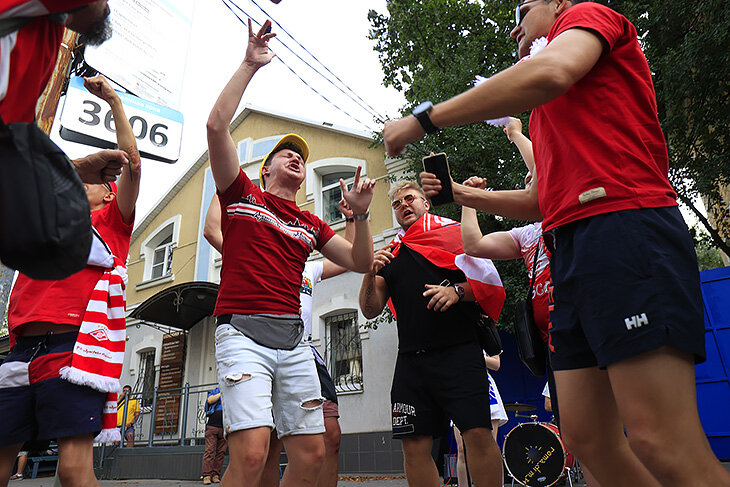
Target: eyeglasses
x=396 y=204
x=518 y=13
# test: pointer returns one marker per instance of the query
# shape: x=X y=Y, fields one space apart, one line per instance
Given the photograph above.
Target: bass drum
x=535 y=455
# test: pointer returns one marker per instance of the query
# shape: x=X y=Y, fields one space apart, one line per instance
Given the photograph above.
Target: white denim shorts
x=263 y=386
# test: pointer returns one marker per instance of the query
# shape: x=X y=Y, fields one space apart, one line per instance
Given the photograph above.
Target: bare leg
x=129 y=443
x=656 y=398
x=495 y=428
x=585 y=395
x=328 y=475
x=420 y=469
x=22 y=462
x=270 y=477
x=460 y=463
x=305 y=453
x=247 y=451
x=76 y=461
x=8 y=454
x=483 y=458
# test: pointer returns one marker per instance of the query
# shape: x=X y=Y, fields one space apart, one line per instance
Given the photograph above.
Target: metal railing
x=175 y=417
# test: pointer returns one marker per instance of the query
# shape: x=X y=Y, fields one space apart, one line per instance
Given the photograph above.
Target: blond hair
x=402 y=186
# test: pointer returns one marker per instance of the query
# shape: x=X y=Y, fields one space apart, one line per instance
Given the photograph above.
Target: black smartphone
x=439 y=165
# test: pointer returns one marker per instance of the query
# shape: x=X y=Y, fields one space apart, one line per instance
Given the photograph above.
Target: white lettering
x=630 y=322
x=636 y=321
x=642 y=320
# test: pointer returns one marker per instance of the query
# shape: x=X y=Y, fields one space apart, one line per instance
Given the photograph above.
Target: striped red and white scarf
x=99 y=351
x=438 y=239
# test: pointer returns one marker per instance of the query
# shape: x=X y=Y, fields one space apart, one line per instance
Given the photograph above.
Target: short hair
x=402 y=186
x=127 y=387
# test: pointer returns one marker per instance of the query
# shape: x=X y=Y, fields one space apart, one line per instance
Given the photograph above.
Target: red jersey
x=266 y=241
x=529 y=240
x=64 y=301
x=599 y=147
x=27 y=56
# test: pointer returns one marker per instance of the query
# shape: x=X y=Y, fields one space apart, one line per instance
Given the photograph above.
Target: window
x=157 y=251
x=162 y=258
x=332 y=194
x=146 y=377
x=263 y=147
x=346 y=351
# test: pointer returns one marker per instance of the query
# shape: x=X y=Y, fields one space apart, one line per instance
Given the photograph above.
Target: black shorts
x=624 y=283
x=36 y=403
x=435 y=386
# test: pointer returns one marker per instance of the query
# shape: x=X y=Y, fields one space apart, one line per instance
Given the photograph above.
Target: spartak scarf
x=438 y=239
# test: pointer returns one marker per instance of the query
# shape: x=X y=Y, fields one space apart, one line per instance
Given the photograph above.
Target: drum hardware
x=519 y=407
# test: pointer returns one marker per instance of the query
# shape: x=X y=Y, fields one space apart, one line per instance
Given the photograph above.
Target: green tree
x=433 y=50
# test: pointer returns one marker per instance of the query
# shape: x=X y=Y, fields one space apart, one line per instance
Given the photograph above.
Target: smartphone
x=439 y=165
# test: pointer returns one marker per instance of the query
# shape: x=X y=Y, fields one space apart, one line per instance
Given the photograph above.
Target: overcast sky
x=335 y=31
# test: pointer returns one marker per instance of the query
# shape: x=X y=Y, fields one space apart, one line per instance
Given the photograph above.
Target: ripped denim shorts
x=263 y=386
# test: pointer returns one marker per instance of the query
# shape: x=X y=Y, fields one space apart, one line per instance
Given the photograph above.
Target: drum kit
x=533 y=452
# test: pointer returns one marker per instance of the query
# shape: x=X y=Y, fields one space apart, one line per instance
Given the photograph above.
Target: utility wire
x=379 y=117
x=226 y=3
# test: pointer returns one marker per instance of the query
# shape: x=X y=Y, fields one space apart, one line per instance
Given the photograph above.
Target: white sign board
x=148 y=50
x=88 y=119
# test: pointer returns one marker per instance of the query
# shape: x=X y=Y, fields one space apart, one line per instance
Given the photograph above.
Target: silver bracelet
x=359 y=218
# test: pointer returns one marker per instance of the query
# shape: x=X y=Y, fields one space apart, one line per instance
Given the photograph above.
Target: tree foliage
x=432 y=50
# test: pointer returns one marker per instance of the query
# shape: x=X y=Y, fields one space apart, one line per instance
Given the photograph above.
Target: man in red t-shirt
x=627 y=323
x=265 y=368
x=44 y=319
x=28 y=56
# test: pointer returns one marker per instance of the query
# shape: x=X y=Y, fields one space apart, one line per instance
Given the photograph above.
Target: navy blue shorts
x=36 y=403
x=624 y=283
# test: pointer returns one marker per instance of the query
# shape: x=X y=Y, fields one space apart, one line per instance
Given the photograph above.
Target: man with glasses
x=627 y=320
x=440 y=373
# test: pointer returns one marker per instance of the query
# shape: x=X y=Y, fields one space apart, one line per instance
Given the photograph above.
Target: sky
x=335 y=31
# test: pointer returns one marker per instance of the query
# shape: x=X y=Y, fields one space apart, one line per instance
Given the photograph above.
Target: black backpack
x=45 y=219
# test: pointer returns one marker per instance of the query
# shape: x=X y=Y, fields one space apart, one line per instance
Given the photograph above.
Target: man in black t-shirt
x=440 y=373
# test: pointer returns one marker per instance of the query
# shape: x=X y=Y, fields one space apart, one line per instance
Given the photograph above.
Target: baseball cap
x=288 y=138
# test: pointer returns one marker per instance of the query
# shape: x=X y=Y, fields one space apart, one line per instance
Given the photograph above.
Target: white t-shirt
x=312 y=275
x=546 y=391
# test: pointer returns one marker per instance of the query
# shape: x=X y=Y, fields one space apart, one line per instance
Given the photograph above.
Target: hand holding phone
x=439 y=166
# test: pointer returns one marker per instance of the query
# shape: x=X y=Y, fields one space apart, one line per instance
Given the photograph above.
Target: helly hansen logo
x=636 y=321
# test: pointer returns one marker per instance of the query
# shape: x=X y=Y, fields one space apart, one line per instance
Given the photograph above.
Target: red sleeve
x=109 y=223
x=37 y=8
x=240 y=186
x=598 y=18
x=325 y=234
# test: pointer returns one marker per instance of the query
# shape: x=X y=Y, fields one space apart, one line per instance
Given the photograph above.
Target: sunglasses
x=396 y=204
x=518 y=12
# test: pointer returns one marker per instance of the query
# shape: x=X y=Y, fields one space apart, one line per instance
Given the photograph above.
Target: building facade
x=172 y=276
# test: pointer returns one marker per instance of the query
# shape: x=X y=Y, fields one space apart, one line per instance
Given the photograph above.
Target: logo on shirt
x=636 y=321
x=306 y=286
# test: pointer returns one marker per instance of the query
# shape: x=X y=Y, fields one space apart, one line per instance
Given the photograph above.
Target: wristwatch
x=459 y=291
x=421 y=113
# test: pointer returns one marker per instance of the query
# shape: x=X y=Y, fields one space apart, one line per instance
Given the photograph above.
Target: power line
x=373 y=111
x=226 y=3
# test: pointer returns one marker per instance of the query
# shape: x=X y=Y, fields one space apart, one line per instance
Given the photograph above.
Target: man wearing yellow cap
x=265 y=369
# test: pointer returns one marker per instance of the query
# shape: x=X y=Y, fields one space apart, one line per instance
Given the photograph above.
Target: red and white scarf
x=99 y=351
x=438 y=239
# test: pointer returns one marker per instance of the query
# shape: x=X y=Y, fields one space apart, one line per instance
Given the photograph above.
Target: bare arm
x=530 y=83
x=214 y=398
x=493 y=363
x=374 y=290
x=212 y=227
x=329 y=268
x=128 y=183
x=221 y=148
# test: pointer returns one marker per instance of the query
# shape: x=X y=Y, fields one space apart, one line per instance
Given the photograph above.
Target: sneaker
x=17 y=476
x=216 y=479
x=206 y=480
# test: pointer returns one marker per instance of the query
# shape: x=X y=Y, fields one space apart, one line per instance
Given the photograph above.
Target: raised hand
x=257 y=51
x=360 y=195
x=430 y=183
x=345 y=209
x=476 y=182
x=514 y=127
x=99 y=86
x=399 y=133
x=101 y=167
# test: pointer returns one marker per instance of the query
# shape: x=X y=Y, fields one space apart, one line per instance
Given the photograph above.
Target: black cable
x=373 y=111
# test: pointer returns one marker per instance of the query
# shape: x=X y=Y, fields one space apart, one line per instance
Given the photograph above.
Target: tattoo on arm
x=135 y=162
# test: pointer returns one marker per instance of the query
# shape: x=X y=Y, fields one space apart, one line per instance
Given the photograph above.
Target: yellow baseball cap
x=288 y=138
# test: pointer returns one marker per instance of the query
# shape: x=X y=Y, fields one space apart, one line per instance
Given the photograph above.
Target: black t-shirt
x=420 y=328
x=216 y=418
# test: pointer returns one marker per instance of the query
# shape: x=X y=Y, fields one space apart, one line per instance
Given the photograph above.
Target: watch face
x=423 y=107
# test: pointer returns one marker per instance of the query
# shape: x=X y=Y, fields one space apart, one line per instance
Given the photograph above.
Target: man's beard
x=100 y=32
